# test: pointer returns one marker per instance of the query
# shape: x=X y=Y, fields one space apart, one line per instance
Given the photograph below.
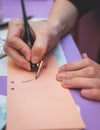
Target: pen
x=29 y=39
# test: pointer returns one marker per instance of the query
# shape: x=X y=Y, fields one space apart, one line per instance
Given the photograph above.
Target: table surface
x=40 y=9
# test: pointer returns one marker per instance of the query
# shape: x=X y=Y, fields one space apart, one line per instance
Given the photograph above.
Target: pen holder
x=29 y=39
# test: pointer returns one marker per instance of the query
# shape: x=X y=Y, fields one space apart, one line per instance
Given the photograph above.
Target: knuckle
x=69 y=66
x=91 y=72
x=14 y=21
x=9 y=39
x=78 y=81
x=68 y=75
x=40 y=50
x=87 y=61
x=97 y=83
x=22 y=48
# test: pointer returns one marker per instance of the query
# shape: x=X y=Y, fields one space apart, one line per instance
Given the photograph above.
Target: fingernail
x=61 y=69
x=85 y=93
x=66 y=83
x=61 y=75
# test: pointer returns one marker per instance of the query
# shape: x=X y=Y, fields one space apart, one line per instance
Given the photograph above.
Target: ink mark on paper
x=12 y=82
x=28 y=80
x=12 y=88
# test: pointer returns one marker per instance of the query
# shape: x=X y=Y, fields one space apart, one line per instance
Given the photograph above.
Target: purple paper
x=36 y=8
x=3 y=85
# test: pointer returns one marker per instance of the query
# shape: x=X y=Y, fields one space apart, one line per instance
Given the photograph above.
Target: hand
x=47 y=37
x=15 y=47
x=84 y=74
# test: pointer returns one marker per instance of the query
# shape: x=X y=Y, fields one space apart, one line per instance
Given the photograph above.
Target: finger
x=15 y=33
x=16 y=27
x=45 y=62
x=16 y=43
x=84 y=55
x=81 y=83
x=39 y=49
x=88 y=72
x=93 y=94
x=18 y=59
x=76 y=65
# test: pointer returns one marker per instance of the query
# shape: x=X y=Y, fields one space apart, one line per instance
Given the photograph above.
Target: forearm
x=63 y=16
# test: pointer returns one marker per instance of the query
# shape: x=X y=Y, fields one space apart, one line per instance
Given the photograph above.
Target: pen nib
x=39 y=69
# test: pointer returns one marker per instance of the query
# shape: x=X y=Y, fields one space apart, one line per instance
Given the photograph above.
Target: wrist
x=56 y=25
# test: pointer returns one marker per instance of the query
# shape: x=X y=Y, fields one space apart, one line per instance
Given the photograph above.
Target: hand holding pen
x=15 y=46
x=29 y=40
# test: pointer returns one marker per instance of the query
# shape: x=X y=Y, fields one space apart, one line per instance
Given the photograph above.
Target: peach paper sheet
x=40 y=104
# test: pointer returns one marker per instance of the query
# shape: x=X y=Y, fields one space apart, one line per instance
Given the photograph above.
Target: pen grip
x=29 y=37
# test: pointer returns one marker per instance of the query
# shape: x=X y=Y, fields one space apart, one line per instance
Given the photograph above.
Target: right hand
x=15 y=47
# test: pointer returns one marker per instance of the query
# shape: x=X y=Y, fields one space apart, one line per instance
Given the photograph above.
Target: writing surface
x=40 y=104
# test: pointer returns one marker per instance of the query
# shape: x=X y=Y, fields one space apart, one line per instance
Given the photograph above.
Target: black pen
x=29 y=38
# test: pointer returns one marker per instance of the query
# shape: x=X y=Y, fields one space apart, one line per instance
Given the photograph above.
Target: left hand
x=84 y=74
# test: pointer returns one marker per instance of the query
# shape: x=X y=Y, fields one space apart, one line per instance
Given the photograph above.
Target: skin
x=83 y=74
x=47 y=34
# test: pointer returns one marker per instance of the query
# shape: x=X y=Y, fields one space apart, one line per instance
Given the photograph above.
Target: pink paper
x=40 y=104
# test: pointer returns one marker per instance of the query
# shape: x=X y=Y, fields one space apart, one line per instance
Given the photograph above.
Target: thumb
x=39 y=49
x=84 y=55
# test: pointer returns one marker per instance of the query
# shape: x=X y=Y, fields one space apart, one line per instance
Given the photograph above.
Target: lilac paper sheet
x=3 y=85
